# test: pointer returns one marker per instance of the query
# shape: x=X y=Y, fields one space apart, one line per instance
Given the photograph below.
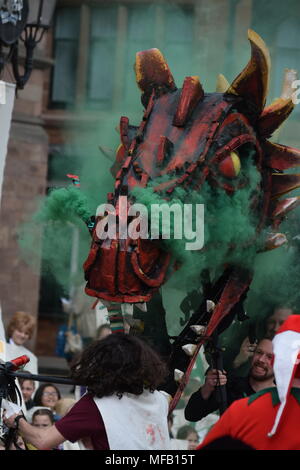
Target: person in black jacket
x=261 y=376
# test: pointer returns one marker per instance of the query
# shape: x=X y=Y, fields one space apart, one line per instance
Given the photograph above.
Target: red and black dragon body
x=194 y=138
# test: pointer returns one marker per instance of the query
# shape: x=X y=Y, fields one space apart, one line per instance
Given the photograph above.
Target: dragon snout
x=123 y=269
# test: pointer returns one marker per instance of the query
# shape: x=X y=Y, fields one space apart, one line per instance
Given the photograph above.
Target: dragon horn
x=274 y=115
x=252 y=83
x=282 y=184
x=281 y=157
x=222 y=84
x=191 y=93
x=284 y=206
x=152 y=71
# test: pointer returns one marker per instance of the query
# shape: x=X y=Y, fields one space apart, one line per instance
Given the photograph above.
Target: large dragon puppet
x=189 y=140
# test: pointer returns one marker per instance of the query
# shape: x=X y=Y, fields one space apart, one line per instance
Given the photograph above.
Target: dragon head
x=192 y=138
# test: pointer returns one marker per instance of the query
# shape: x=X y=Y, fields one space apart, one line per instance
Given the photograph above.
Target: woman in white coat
x=20 y=329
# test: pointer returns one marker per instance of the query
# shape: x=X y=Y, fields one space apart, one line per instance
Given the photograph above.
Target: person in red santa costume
x=269 y=419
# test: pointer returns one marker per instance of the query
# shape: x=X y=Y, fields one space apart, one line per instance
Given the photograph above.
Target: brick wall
x=25 y=179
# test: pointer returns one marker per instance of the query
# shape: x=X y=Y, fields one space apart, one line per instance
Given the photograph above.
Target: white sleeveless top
x=135 y=422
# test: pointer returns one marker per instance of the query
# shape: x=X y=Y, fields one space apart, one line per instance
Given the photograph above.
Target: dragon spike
x=127 y=309
x=284 y=206
x=124 y=124
x=142 y=306
x=178 y=374
x=274 y=115
x=191 y=93
x=189 y=349
x=210 y=305
x=152 y=71
x=282 y=184
x=164 y=149
x=281 y=157
x=253 y=82
x=275 y=240
x=222 y=84
x=198 y=329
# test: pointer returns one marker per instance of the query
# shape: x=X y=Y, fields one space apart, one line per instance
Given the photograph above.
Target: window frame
x=82 y=69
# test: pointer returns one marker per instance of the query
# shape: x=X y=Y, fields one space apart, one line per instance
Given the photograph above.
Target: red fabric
x=84 y=421
x=291 y=323
x=250 y=423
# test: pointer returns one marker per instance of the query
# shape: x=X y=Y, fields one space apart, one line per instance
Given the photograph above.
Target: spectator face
x=20 y=337
x=193 y=440
x=49 y=397
x=27 y=389
x=261 y=366
x=276 y=320
x=42 y=421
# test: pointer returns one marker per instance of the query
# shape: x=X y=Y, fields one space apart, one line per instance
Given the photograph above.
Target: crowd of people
x=120 y=402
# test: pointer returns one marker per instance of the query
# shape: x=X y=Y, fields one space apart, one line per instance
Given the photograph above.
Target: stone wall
x=25 y=179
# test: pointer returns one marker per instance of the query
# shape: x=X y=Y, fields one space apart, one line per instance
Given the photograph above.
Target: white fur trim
x=286 y=346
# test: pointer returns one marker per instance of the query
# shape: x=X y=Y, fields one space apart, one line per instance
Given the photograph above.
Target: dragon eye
x=231 y=165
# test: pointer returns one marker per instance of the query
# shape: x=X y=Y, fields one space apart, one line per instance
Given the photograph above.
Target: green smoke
x=64 y=205
x=59 y=215
x=229 y=226
x=277 y=273
x=227 y=222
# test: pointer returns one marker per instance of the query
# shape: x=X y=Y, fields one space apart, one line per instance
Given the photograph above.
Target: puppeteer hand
x=246 y=351
x=213 y=378
x=10 y=422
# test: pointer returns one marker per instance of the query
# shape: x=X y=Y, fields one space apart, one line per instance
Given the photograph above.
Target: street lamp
x=25 y=20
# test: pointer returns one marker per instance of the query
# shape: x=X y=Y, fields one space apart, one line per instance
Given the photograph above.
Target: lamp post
x=26 y=21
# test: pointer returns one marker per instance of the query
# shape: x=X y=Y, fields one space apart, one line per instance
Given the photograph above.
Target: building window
x=178 y=48
x=95 y=50
x=103 y=30
x=66 y=42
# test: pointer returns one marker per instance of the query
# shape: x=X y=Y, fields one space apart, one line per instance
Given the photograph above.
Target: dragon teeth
x=275 y=240
x=178 y=374
x=189 y=349
x=210 y=305
x=198 y=329
x=127 y=309
x=142 y=306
